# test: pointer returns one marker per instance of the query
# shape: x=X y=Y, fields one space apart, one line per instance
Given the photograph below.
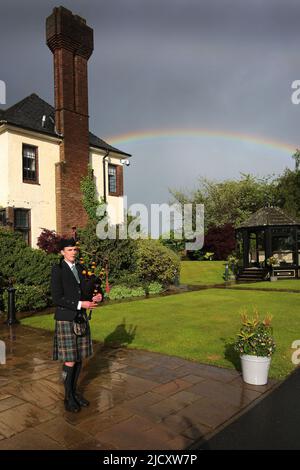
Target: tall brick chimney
x=71 y=42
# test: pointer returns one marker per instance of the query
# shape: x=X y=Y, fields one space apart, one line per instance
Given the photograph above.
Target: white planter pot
x=255 y=369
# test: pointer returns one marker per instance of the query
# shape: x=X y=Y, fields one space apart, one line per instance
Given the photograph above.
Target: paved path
x=139 y=400
x=272 y=424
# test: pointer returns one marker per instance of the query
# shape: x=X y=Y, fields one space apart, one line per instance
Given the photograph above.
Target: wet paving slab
x=139 y=399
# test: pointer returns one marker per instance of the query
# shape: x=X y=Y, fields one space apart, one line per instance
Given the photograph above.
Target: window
x=112 y=179
x=22 y=223
x=283 y=248
x=283 y=243
x=115 y=180
x=30 y=164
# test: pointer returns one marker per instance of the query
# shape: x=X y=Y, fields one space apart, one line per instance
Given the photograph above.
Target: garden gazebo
x=270 y=232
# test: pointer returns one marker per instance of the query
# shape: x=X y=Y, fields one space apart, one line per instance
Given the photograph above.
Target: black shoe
x=72 y=405
x=81 y=400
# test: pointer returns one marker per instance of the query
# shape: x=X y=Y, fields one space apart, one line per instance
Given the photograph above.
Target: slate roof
x=28 y=114
x=269 y=216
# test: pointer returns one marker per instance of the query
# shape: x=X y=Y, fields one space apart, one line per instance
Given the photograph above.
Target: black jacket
x=66 y=292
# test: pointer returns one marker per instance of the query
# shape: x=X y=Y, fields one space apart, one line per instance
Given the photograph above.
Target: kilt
x=68 y=347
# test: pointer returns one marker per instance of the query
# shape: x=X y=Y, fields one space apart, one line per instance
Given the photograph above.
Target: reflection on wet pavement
x=139 y=399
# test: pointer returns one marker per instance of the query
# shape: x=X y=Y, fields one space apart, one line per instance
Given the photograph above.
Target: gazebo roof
x=269 y=216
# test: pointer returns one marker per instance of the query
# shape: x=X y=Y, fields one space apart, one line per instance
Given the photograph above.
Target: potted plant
x=232 y=262
x=255 y=344
x=272 y=261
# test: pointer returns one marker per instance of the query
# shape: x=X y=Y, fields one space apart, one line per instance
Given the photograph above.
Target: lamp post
x=11 y=312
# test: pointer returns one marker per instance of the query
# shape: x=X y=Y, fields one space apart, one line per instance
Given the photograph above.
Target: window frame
x=28 y=180
x=26 y=230
x=112 y=193
x=119 y=180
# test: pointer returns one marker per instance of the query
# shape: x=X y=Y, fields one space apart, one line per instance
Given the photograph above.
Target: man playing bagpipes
x=72 y=294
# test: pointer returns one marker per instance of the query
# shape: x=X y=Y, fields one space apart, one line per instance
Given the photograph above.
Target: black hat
x=64 y=242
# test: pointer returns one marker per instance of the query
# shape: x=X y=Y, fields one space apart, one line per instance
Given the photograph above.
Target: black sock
x=68 y=379
x=77 y=370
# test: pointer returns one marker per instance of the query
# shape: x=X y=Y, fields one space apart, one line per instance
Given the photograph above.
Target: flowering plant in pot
x=272 y=261
x=255 y=344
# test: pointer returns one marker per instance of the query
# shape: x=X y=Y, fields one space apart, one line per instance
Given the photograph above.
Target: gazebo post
x=268 y=242
x=295 y=254
x=245 y=248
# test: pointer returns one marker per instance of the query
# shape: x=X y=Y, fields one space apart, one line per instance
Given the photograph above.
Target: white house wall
x=3 y=169
x=39 y=198
x=115 y=203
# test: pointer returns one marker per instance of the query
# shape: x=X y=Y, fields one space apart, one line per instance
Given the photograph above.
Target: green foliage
x=89 y=195
x=230 y=201
x=123 y=292
x=130 y=279
x=272 y=261
x=22 y=264
x=156 y=262
x=27 y=298
x=137 y=261
x=177 y=245
x=121 y=254
x=296 y=157
x=255 y=337
x=288 y=192
x=155 y=288
x=208 y=256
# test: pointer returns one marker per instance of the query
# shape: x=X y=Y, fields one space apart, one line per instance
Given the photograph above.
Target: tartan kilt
x=68 y=347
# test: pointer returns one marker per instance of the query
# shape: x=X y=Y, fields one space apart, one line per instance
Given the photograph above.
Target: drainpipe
x=104 y=173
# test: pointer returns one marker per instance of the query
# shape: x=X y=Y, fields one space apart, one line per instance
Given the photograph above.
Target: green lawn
x=202 y=272
x=290 y=284
x=195 y=325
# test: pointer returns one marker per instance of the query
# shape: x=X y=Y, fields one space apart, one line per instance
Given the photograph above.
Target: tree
x=289 y=192
x=230 y=201
x=296 y=157
x=220 y=241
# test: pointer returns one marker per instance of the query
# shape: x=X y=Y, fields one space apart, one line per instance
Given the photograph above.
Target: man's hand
x=88 y=305
x=97 y=298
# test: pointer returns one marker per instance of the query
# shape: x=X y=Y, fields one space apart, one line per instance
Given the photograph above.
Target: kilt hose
x=68 y=347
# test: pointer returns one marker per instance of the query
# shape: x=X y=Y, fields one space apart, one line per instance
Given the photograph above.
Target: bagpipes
x=93 y=274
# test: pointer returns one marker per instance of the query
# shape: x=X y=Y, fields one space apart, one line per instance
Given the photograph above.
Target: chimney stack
x=71 y=42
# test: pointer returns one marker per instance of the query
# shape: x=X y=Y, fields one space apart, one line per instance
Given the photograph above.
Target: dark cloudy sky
x=222 y=65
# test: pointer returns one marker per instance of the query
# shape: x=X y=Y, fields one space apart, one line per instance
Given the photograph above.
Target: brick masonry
x=71 y=42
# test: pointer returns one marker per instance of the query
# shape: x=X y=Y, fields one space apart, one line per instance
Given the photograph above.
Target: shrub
x=220 y=241
x=155 y=262
x=123 y=292
x=27 y=298
x=48 y=241
x=155 y=288
x=25 y=265
x=121 y=254
x=130 y=279
x=255 y=337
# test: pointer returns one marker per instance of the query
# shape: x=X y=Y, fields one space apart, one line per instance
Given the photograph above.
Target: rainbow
x=166 y=134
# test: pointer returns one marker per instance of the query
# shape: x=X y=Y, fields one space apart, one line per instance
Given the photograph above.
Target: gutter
x=104 y=174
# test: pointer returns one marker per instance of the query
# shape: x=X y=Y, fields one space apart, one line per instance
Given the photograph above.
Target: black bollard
x=11 y=313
